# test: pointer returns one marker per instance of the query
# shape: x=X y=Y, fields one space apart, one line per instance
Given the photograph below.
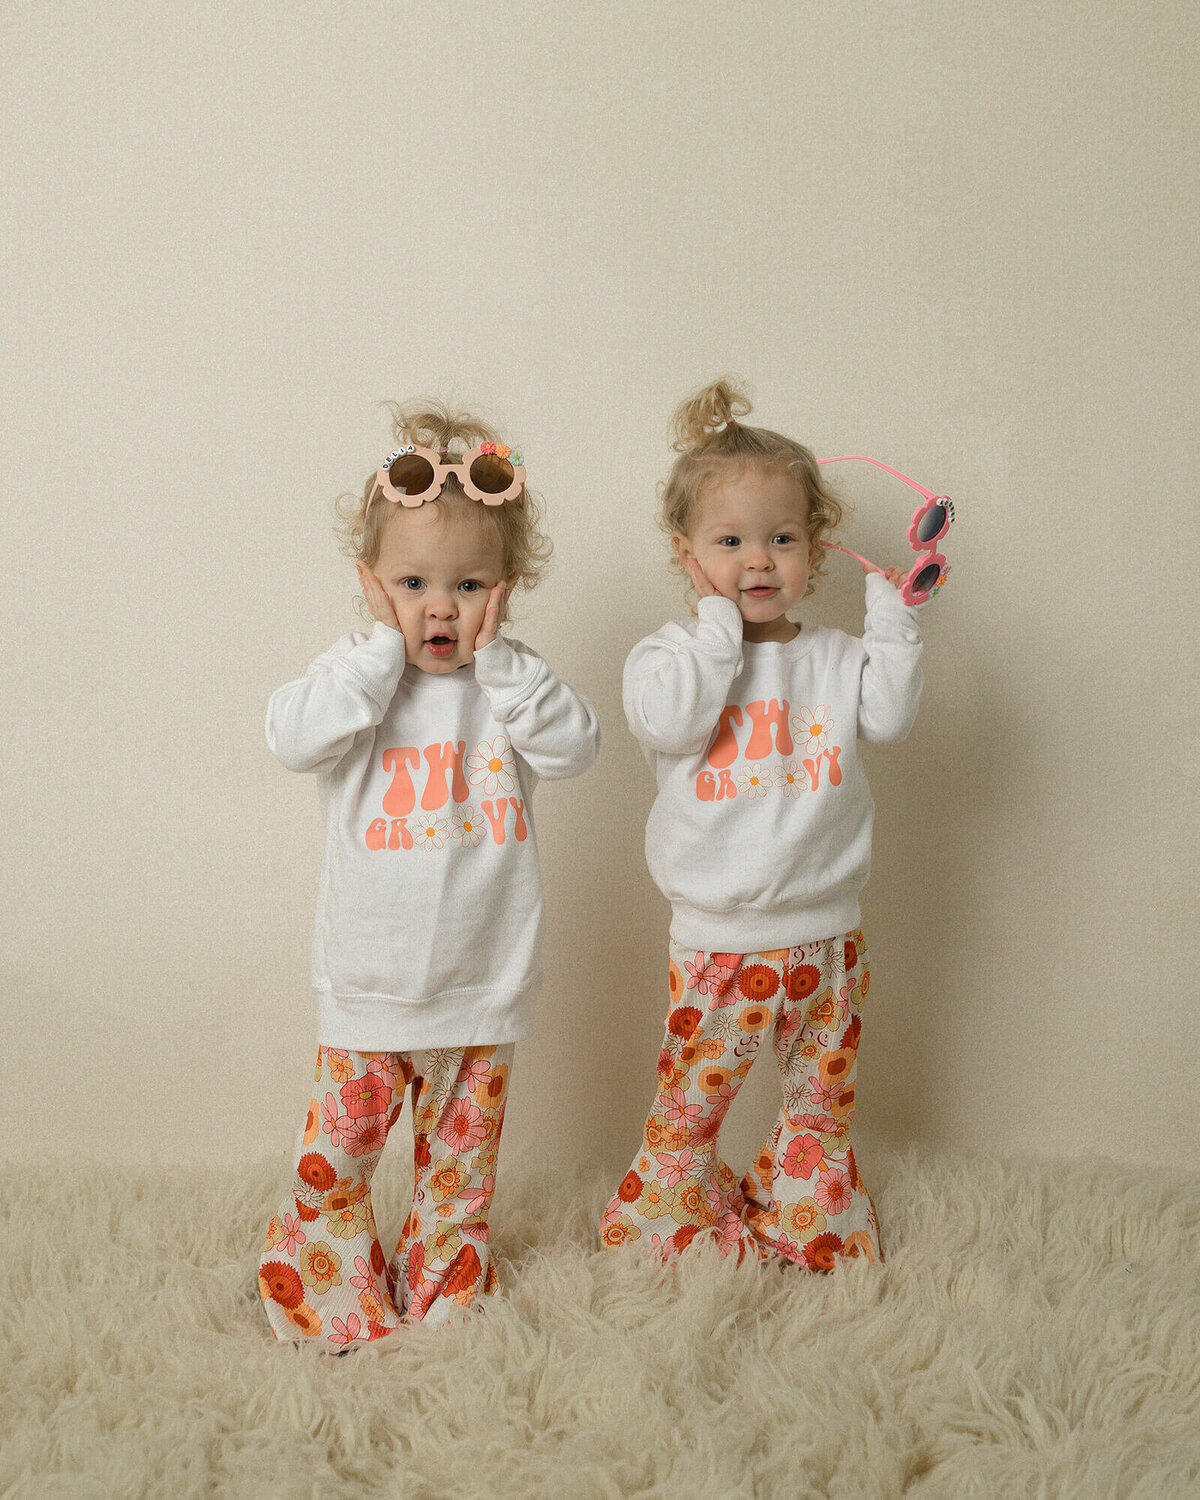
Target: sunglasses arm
x=836 y=548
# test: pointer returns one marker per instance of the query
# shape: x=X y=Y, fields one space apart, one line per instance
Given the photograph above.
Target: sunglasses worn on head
x=929 y=525
x=491 y=473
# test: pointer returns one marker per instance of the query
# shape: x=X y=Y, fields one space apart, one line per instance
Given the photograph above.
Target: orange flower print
x=755 y=1018
x=337 y=1059
x=683 y=1021
x=820 y=1253
x=801 y=981
x=835 y=1067
x=630 y=1189
x=758 y=982
x=305 y=1319
x=315 y=1170
x=712 y=1079
x=281 y=1283
x=320 y=1267
x=851 y=955
x=463 y=1272
x=312 y=1125
x=860 y=1243
x=447 y=1179
x=674 y=982
x=805 y=1217
x=618 y=1229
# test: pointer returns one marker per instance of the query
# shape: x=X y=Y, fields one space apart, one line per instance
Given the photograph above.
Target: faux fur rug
x=1034 y=1332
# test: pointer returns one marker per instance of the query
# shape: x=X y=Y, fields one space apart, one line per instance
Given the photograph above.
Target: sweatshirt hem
x=742 y=929
x=390 y=1023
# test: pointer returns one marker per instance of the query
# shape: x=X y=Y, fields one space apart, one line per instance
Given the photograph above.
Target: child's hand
x=376 y=596
x=704 y=589
x=894 y=576
x=491 y=617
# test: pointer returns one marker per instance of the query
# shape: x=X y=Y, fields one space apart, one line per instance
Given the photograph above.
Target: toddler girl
x=760 y=838
x=428 y=737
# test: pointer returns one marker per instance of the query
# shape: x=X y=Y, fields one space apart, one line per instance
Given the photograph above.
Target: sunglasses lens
x=926 y=579
x=491 y=473
x=932 y=524
x=412 y=474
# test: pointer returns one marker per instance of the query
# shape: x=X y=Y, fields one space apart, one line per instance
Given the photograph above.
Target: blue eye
x=783 y=537
x=412 y=584
x=729 y=541
x=470 y=586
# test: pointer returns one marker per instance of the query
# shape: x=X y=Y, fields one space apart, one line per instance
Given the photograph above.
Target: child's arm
x=674 y=690
x=312 y=722
x=550 y=725
x=891 y=674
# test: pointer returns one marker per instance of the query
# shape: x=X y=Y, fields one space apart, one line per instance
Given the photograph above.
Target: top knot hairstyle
x=708 y=436
x=432 y=424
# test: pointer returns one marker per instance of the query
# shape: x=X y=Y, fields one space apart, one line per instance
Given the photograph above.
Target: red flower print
x=316 y=1170
x=666 y=1063
x=631 y=1187
x=462 y=1126
x=463 y=1272
x=803 y=1156
x=801 y=981
x=684 y=1236
x=368 y=1095
x=304 y=1319
x=758 y=982
x=727 y=960
x=820 y=1253
x=853 y=1032
x=684 y=1021
x=416 y=1265
x=307 y=1213
x=281 y=1283
x=851 y=956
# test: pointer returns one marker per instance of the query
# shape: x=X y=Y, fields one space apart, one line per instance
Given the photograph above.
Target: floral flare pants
x=803 y=1198
x=323 y=1273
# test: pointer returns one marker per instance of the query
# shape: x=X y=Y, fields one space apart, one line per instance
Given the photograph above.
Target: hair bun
x=707 y=412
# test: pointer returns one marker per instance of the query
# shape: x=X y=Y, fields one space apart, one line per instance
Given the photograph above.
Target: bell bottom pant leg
x=805 y=1199
x=722 y=1005
x=323 y=1274
x=442 y=1262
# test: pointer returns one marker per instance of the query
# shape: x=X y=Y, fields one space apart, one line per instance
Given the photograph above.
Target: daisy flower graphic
x=468 y=829
x=754 y=781
x=789 y=778
x=430 y=833
x=491 y=767
x=813 y=725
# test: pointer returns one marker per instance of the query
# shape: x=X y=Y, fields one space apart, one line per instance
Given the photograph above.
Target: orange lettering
x=835 y=771
x=520 y=832
x=495 y=816
x=763 y=715
x=400 y=799
x=401 y=838
x=706 y=787
x=726 y=787
x=723 y=751
x=444 y=758
x=376 y=832
x=813 y=767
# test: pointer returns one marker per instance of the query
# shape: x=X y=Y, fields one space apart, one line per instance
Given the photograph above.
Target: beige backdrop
x=961 y=238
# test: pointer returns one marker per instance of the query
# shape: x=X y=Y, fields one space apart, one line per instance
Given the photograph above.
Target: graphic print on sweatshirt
x=755 y=734
x=448 y=780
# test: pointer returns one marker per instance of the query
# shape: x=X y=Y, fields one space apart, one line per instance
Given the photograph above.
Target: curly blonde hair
x=709 y=436
x=516 y=525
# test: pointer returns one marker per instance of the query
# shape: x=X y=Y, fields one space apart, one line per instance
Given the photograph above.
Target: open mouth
x=441 y=645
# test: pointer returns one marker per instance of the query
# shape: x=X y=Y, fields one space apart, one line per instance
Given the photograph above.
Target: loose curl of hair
x=516 y=525
x=709 y=437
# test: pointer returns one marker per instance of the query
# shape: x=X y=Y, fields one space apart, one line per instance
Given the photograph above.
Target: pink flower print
x=337 y=1060
x=467 y=827
x=384 y=1067
x=677 y=1169
x=701 y=974
x=678 y=1111
x=491 y=767
x=333 y=1121
x=813 y=725
x=724 y=991
x=362 y=1279
x=729 y=1233
x=363 y=1134
x=474 y=1072
x=462 y=1126
x=475 y=1196
x=823 y=1124
x=293 y=1236
x=347 y=1332
x=833 y=1191
x=803 y=1156
x=368 y=1095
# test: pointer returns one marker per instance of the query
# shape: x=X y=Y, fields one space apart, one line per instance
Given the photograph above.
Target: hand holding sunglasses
x=929 y=525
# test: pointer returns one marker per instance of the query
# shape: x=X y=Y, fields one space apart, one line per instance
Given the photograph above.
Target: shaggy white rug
x=1034 y=1332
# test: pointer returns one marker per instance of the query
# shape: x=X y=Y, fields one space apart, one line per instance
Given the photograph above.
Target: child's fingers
x=700 y=578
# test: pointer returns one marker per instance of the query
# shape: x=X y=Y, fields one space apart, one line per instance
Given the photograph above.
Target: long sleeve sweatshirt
x=760 y=836
x=429 y=911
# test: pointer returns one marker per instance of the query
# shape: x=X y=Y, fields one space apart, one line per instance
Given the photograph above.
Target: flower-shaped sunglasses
x=491 y=473
x=929 y=525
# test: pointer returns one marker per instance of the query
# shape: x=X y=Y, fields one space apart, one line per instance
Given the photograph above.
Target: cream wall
x=959 y=237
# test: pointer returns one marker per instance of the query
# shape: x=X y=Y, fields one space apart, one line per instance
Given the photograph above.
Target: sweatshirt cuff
x=378 y=662
x=884 y=597
x=504 y=675
x=720 y=621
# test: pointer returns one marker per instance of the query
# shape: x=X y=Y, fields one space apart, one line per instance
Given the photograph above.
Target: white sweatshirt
x=429 y=914
x=761 y=833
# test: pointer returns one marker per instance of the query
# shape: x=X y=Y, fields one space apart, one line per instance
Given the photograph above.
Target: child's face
x=750 y=535
x=438 y=564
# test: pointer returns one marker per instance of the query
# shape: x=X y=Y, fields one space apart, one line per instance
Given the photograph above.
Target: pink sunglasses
x=929 y=525
x=491 y=473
